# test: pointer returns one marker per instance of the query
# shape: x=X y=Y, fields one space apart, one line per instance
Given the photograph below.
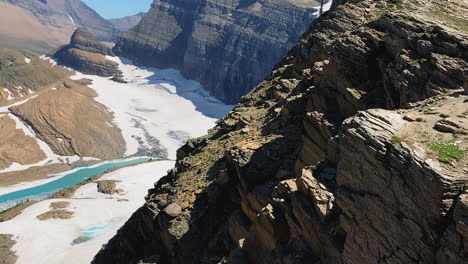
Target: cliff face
x=306 y=169
x=228 y=46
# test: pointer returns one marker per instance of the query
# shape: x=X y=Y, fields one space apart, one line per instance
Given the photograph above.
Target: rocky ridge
x=88 y=55
x=228 y=46
x=306 y=169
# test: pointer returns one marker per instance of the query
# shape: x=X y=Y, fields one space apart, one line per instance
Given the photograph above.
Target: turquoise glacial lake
x=76 y=176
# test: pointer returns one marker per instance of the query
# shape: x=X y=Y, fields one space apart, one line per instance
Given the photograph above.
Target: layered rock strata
x=306 y=169
x=16 y=146
x=228 y=46
x=72 y=123
x=88 y=55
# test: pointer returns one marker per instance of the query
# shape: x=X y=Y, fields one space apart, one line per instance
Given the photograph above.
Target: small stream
x=76 y=176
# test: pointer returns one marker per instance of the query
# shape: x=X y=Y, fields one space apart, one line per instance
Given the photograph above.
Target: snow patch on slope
x=71 y=19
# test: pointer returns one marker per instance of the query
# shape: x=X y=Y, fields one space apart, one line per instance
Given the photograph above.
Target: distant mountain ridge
x=128 y=22
x=43 y=25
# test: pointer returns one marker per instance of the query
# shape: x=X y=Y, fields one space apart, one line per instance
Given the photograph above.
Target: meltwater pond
x=72 y=177
x=90 y=233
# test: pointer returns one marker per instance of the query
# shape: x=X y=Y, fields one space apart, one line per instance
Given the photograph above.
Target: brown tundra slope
x=354 y=150
x=39 y=102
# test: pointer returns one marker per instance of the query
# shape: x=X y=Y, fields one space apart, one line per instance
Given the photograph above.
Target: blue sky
x=118 y=8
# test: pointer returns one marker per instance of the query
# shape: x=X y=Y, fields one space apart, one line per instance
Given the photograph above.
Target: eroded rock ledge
x=301 y=171
x=88 y=55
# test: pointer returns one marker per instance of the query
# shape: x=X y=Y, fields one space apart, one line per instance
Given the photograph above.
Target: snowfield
x=51 y=241
x=157 y=111
x=156 y=104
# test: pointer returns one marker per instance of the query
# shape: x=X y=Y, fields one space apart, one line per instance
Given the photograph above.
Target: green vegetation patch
x=14 y=71
x=441 y=13
x=395 y=140
x=418 y=62
x=447 y=151
x=398 y=3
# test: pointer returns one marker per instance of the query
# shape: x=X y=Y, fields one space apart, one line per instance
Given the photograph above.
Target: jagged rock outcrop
x=88 y=55
x=306 y=169
x=42 y=26
x=228 y=46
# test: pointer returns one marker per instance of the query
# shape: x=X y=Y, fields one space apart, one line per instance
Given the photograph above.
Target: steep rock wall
x=301 y=172
x=228 y=46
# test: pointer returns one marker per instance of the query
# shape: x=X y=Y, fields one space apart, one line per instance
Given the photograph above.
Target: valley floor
x=74 y=232
x=156 y=111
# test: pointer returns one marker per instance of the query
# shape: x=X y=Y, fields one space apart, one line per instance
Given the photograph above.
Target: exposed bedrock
x=228 y=46
x=88 y=55
x=306 y=169
x=72 y=123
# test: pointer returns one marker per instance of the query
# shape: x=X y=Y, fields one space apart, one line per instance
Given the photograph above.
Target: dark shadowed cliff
x=353 y=151
x=228 y=46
